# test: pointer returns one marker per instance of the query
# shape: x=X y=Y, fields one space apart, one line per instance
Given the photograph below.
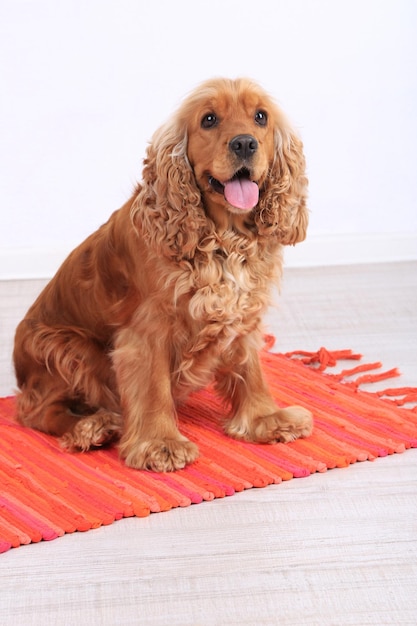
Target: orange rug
x=45 y=492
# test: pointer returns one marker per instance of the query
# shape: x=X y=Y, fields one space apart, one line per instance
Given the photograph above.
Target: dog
x=168 y=295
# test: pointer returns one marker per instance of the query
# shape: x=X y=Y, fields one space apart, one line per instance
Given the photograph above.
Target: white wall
x=86 y=82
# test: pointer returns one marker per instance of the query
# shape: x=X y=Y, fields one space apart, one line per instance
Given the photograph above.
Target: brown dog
x=168 y=295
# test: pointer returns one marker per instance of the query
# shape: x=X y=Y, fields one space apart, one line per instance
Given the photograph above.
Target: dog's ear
x=168 y=211
x=283 y=211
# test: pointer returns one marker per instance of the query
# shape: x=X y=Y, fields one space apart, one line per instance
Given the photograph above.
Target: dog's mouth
x=240 y=191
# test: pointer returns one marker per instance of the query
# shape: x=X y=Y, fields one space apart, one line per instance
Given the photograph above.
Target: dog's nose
x=244 y=146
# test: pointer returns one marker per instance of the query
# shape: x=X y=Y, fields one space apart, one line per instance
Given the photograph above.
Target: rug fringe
x=403 y=395
x=323 y=359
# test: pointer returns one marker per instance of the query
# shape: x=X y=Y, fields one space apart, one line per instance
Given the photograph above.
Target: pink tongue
x=241 y=193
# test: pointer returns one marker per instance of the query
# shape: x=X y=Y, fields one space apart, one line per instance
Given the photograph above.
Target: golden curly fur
x=168 y=295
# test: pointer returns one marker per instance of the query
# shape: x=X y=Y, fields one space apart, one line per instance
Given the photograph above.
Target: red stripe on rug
x=46 y=492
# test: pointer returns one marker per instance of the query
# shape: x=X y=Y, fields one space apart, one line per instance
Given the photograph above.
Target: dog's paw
x=92 y=431
x=283 y=425
x=161 y=455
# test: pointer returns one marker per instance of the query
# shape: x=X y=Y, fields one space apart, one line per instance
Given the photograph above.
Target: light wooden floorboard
x=338 y=548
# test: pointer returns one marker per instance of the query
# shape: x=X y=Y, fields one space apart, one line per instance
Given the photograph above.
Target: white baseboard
x=31 y=263
x=352 y=249
x=317 y=250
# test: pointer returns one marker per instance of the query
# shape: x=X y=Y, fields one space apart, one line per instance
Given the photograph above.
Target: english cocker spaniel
x=168 y=295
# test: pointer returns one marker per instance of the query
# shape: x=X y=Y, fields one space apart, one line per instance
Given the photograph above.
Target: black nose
x=244 y=146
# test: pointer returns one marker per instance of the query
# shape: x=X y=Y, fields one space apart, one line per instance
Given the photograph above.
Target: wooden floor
x=332 y=549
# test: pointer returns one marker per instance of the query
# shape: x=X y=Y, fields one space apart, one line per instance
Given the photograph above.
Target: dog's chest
x=225 y=298
x=230 y=292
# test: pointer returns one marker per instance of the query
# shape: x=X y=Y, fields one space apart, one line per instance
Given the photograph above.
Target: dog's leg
x=255 y=416
x=44 y=409
x=151 y=439
x=66 y=386
x=77 y=431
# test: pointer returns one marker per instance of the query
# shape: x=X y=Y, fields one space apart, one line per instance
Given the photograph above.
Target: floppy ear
x=168 y=212
x=283 y=211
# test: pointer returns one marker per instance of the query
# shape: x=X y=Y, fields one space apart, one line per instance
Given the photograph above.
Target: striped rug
x=46 y=492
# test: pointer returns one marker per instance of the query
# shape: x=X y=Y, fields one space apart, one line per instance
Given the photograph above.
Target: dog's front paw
x=285 y=425
x=161 y=455
x=282 y=425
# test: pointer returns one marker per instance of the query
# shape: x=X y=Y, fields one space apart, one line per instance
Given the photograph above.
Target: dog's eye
x=209 y=121
x=261 y=118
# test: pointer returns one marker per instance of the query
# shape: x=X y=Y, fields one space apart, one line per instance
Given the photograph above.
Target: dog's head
x=231 y=143
x=229 y=155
